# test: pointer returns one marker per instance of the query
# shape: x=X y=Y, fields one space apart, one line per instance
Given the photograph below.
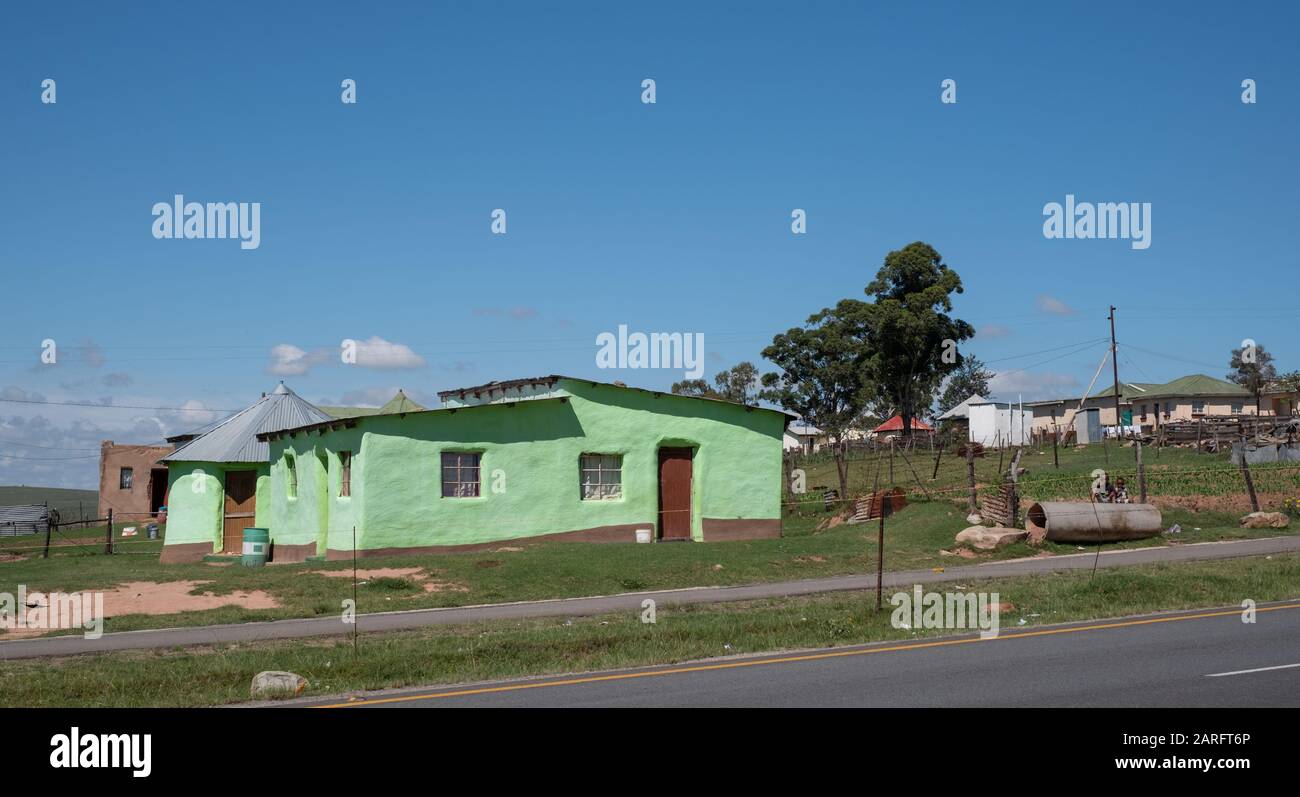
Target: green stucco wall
x=196 y=499
x=529 y=470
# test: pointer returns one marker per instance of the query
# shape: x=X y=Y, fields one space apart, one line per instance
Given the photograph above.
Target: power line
x=36 y=445
x=112 y=406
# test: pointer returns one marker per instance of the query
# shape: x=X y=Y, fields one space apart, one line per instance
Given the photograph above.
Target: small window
x=1143 y=410
x=291 y=476
x=1198 y=407
x=601 y=477
x=345 y=474
x=1237 y=407
x=125 y=479
x=460 y=474
x=1169 y=407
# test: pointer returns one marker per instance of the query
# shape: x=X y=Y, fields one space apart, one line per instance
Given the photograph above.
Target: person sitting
x=1101 y=488
x=1120 y=494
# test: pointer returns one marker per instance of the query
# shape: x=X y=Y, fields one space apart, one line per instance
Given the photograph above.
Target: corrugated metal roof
x=25 y=519
x=235 y=438
x=962 y=410
x=895 y=424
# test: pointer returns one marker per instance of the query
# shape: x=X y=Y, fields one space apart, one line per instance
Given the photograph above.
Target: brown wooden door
x=241 y=506
x=675 y=493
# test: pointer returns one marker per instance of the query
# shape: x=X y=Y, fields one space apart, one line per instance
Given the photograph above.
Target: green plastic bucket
x=257 y=543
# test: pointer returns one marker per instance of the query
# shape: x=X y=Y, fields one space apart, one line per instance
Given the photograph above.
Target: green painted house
x=547 y=458
x=218 y=477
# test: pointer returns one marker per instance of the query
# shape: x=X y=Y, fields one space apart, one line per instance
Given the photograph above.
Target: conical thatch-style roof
x=399 y=403
x=235 y=438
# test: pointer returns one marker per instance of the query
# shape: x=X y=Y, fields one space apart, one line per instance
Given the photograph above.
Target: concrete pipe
x=1071 y=521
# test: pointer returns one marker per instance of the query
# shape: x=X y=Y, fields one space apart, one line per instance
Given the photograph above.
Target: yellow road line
x=728 y=665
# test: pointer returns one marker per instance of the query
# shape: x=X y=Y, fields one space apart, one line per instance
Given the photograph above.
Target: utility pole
x=1114 y=364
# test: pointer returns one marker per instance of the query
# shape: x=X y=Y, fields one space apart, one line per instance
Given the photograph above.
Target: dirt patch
x=1239 y=502
x=418 y=575
x=810 y=559
x=486 y=563
x=218 y=564
x=11 y=557
x=507 y=549
x=148 y=597
x=174 y=597
x=444 y=586
x=413 y=573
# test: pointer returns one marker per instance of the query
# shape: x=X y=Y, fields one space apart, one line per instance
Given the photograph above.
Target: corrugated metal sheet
x=235 y=439
x=26 y=519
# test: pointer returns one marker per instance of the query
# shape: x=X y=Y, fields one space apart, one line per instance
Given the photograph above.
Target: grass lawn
x=459 y=654
x=913 y=540
x=520 y=571
x=1171 y=473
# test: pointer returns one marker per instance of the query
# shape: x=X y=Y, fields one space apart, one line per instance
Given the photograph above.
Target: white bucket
x=643 y=535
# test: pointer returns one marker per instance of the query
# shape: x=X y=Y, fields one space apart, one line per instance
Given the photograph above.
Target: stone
x=1265 y=520
x=987 y=539
x=277 y=683
x=974 y=519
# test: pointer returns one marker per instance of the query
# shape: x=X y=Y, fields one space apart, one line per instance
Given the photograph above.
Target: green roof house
x=1183 y=399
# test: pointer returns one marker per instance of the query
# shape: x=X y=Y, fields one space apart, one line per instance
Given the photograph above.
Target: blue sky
x=674 y=216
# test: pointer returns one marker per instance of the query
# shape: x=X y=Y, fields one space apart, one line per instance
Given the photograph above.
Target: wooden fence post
x=1250 y=483
x=972 y=504
x=1013 y=500
x=1142 y=475
x=108 y=545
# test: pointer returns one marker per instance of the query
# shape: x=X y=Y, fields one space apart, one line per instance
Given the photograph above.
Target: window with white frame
x=601 y=476
x=1237 y=407
x=125 y=478
x=1198 y=407
x=460 y=474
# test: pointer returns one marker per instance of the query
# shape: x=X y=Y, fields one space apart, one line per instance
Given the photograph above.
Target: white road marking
x=1257 y=669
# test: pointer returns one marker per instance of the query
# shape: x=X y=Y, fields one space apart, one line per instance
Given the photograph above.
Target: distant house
x=959 y=416
x=132 y=481
x=894 y=427
x=1152 y=404
x=995 y=424
x=803 y=437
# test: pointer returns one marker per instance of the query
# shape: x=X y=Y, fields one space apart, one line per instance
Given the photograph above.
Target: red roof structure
x=895 y=424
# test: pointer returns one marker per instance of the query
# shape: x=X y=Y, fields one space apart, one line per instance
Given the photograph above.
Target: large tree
x=737 y=384
x=970 y=378
x=1253 y=370
x=823 y=375
x=912 y=339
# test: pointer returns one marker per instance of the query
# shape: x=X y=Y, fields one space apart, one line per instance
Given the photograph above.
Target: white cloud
x=374 y=352
x=383 y=355
x=992 y=331
x=289 y=360
x=1053 y=305
x=1034 y=386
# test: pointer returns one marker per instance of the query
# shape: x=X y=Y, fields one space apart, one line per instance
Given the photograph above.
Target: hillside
x=68 y=502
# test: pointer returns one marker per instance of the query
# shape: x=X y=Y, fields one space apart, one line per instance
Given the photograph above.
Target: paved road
x=628 y=602
x=1191 y=659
